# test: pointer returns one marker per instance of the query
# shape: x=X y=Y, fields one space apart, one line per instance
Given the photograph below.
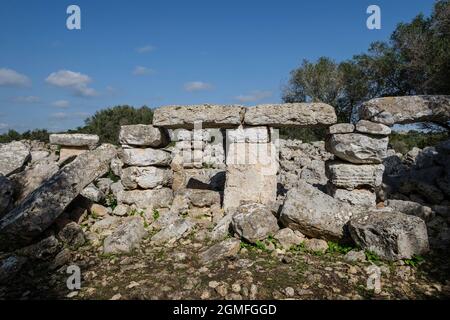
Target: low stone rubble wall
x=220 y=170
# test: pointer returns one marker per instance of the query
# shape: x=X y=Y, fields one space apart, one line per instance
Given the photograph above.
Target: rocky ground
x=255 y=272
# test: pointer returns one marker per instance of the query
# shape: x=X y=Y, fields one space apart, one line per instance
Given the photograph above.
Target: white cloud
x=61 y=103
x=254 y=96
x=9 y=77
x=69 y=116
x=76 y=81
x=4 y=126
x=197 y=86
x=27 y=99
x=142 y=71
x=145 y=49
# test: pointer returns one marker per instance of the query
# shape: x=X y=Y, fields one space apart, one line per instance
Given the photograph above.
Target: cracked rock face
x=14 y=155
x=350 y=176
x=254 y=222
x=143 y=135
x=291 y=115
x=210 y=116
x=391 y=235
x=74 y=140
x=41 y=208
x=145 y=157
x=392 y=110
x=358 y=148
x=126 y=237
x=315 y=213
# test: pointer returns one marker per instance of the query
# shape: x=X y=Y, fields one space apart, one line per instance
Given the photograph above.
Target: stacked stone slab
x=145 y=176
x=251 y=153
x=72 y=145
x=357 y=171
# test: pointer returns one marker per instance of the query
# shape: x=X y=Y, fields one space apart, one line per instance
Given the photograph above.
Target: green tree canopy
x=106 y=123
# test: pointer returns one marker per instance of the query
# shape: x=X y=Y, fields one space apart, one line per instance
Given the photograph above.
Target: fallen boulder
x=126 y=237
x=225 y=249
x=391 y=235
x=39 y=209
x=172 y=232
x=315 y=213
x=254 y=221
x=13 y=157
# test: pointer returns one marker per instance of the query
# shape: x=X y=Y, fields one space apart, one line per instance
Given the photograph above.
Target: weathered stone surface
x=207 y=179
x=104 y=185
x=391 y=110
x=38 y=211
x=369 y=127
x=316 y=245
x=251 y=174
x=145 y=157
x=315 y=213
x=341 y=128
x=157 y=198
x=13 y=157
x=221 y=250
x=222 y=228
x=356 y=197
x=351 y=176
x=121 y=210
x=30 y=179
x=45 y=249
x=288 y=237
x=172 y=232
x=116 y=166
x=430 y=192
x=72 y=235
x=10 y=267
x=291 y=115
x=145 y=177
x=358 y=148
x=92 y=193
x=200 y=198
x=6 y=194
x=355 y=256
x=249 y=183
x=143 y=135
x=254 y=221
x=248 y=134
x=98 y=210
x=126 y=237
x=210 y=116
x=66 y=153
x=391 y=235
x=74 y=140
x=411 y=208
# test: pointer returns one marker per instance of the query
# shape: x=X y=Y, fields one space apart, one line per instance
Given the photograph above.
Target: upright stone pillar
x=252 y=165
x=358 y=170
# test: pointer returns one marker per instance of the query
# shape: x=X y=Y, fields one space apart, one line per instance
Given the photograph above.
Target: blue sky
x=158 y=53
